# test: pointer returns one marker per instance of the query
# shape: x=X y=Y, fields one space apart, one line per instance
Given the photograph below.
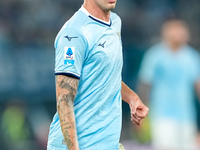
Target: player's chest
x=175 y=69
x=108 y=47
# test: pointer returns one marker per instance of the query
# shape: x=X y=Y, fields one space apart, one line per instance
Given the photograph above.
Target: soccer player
x=170 y=72
x=89 y=88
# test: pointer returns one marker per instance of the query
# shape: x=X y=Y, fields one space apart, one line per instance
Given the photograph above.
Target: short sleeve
x=70 y=49
x=147 y=68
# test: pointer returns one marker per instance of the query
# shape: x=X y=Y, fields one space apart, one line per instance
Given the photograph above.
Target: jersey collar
x=94 y=18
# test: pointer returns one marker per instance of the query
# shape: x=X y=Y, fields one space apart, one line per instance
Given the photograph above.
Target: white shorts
x=170 y=134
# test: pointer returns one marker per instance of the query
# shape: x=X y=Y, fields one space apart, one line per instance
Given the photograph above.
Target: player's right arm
x=66 y=88
x=70 y=52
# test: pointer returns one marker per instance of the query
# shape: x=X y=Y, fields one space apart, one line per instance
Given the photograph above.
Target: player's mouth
x=111 y=1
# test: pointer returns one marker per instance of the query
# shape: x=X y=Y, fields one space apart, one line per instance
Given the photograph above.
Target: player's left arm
x=138 y=110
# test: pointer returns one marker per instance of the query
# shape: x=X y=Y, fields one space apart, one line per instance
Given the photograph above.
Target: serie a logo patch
x=69 y=55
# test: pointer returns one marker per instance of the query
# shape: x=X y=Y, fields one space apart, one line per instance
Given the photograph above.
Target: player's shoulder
x=72 y=28
x=156 y=53
x=190 y=49
x=115 y=18
x=155 y=49
x=77 y=21
x=192 y=52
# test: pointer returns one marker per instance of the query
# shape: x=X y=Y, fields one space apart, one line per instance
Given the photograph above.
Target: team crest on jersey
x=69 y=55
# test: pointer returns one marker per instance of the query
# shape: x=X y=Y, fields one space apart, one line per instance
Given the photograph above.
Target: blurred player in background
x=89 y=88
x=169 y=74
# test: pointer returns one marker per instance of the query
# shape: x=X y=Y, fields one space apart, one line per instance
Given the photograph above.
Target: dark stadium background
x=27 y=87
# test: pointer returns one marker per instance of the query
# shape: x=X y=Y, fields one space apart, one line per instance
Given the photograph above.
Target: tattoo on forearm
x=67 y=139
x=66 y=91
x=73 y=125
x=68 y=99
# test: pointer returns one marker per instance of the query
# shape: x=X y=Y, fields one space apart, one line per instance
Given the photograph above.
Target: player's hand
x=138 y=110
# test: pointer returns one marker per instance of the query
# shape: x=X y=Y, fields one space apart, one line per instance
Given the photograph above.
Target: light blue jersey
x=172 y=76
x=90 y=50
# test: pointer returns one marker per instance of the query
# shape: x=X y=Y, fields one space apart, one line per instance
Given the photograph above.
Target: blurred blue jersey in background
x=172 y=76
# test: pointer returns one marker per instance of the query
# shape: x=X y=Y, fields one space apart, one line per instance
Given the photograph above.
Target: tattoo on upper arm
x=69 y=84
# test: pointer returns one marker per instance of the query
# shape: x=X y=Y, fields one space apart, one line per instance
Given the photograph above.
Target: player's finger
x=136 y=117
x=140 y=115
x=135 y=120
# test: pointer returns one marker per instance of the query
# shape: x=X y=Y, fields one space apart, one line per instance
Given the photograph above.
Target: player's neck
x=97 y=12
x=175 y=47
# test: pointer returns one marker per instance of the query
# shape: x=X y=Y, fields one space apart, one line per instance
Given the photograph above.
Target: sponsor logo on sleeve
x=69 y=55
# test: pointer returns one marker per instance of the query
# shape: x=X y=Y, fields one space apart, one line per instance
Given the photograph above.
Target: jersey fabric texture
x=90 y=49
x=172 y=76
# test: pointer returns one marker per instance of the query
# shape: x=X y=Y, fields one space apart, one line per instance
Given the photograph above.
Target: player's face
x=176 y=35
x=106 y=5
